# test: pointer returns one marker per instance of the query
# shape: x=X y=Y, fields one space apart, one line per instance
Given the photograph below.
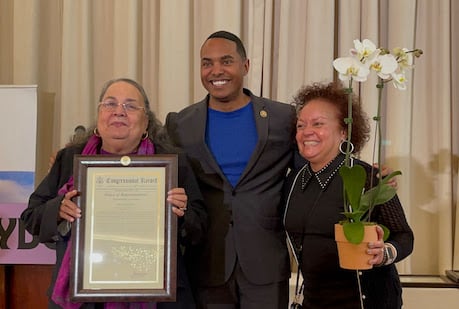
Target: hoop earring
x=341 y=146
x=96 y=132
x=145 y=137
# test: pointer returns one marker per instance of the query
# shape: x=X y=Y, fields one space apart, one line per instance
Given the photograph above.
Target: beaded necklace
x=323 y=182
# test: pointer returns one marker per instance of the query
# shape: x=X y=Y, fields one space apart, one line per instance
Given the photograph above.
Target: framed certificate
x=125 y=243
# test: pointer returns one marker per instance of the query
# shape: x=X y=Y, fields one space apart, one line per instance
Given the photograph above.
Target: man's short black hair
x=232 y=37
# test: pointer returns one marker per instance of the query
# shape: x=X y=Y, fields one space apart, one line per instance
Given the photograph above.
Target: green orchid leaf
x=355 y=216
x=391 y=175
x=378 y=195
x=354 y=232
x=353 y=180
x=386 y=193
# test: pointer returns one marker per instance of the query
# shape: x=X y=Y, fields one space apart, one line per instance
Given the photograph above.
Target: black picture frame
x=125 y=243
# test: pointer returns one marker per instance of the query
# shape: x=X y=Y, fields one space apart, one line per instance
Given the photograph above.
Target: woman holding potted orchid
x=314 y=204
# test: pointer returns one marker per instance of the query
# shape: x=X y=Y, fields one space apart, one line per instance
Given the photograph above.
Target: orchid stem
x=348 y=121
x=378 y=140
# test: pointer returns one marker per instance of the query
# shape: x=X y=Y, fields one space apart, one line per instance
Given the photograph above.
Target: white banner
x=18 y=129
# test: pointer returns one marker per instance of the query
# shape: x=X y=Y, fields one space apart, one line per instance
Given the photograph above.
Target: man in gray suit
x=240 y=147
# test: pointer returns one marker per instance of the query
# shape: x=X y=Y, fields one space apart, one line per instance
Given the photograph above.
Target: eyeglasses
x=111 y=106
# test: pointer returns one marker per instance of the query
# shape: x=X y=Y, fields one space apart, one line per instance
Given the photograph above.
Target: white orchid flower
x=350 y=67
x=364 y=50
x=384 y=65
x=388 y=65
x=403 y=57
x=399 y=80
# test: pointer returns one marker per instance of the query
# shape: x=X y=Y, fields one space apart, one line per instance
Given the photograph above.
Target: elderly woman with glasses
x=125 y=126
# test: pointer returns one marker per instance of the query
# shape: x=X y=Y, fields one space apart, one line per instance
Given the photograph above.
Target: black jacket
x=314 y=205
x=40 y=217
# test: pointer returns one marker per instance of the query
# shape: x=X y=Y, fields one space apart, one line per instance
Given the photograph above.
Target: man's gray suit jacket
x=245 y=220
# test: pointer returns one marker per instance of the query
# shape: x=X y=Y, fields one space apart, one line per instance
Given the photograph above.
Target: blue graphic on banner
x=16 y=245
x=16 y=187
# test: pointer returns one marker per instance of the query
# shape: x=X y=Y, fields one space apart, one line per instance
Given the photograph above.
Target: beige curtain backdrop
x=69 y=48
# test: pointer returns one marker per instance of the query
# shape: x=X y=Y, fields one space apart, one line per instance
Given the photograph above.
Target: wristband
x=390 y=253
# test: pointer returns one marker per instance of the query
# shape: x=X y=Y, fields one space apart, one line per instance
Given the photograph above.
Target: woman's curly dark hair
x=335 y=94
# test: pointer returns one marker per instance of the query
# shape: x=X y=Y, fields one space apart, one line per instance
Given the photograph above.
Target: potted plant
x=352 y=232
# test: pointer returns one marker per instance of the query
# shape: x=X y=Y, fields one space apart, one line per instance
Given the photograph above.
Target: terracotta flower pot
x=352 y=256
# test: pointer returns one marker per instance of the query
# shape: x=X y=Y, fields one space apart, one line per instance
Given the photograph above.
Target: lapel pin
x=263 y=114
